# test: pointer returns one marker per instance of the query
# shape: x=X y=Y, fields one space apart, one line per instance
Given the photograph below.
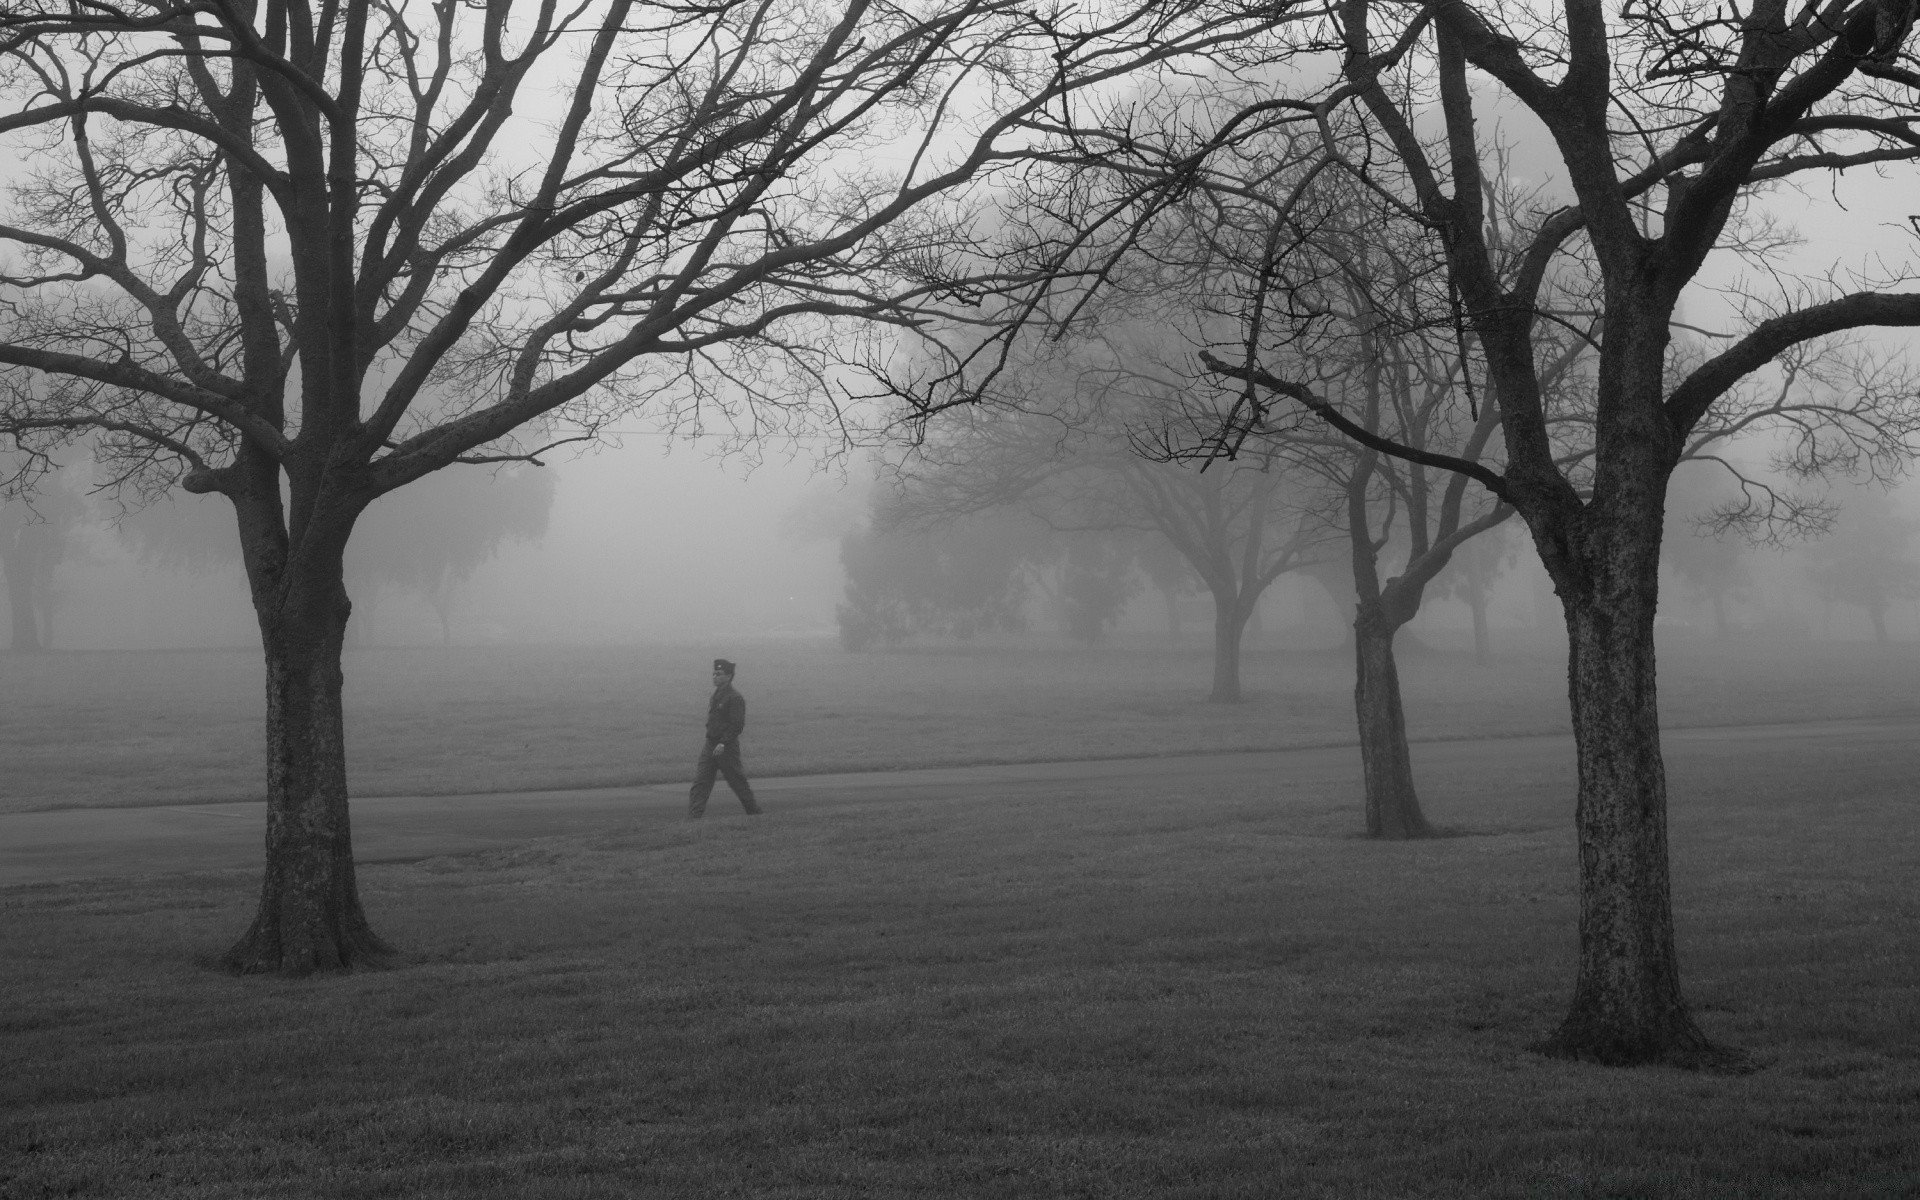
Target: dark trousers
x=726 y=764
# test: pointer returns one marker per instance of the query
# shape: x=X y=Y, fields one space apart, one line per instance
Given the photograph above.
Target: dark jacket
x=726 y=715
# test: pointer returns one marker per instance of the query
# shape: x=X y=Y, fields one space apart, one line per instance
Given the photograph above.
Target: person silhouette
x=726 y=718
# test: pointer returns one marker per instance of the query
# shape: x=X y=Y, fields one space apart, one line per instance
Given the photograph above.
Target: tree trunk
x=1482 y=643
x=1229 y=621
x=1393 y=807
x=20 y=599
x=441 y=601
x=1627 y=1005
x=309 y=917
x=1877 y=613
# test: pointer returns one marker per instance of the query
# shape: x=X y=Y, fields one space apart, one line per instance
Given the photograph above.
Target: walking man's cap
x=721 y=664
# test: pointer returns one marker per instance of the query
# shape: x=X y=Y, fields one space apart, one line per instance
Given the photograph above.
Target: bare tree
x=1078 y=440
x=301 y=255
x=1392 y=369
x=1667 y=120
x=1471 y=576
x=1366 y=316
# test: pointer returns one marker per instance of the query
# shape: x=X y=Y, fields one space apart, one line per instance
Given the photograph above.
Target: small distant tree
x=1706 y=555
x=1170 y=574
x=431 y=538
x=180 y=533
x=428 y=540
x=1869 y=558
x=960 y=578
x=36 y=534
x=1077 y=433
x=1476 y=567
x=1097 y=578
x=1239 y=527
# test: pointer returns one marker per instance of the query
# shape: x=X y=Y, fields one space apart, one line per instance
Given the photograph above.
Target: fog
x=663 y=540
x=643 y=543
x=652 y=542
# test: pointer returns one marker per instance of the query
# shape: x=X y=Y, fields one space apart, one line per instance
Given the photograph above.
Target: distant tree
x=1476 y=567
x=430 y=538
x=1237 y=526
x=1076 y=434
x=1170 y=574
x=181 y=533
x=1097 y=578
x=961 y=578
x=36 y=533
x=1375 y=333
x=1706 y=555
x=1868 y=558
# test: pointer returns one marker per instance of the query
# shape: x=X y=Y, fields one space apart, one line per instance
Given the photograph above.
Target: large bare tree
x=1666 y=123
x=302 y=254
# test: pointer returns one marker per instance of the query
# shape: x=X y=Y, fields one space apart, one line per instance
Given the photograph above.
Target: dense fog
x=636 y=545
x=633 y=544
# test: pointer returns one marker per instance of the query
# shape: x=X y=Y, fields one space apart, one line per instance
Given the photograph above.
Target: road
x=82 y=843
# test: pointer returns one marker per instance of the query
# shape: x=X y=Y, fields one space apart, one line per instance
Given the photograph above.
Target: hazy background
x=645 y=541
x=656 y=541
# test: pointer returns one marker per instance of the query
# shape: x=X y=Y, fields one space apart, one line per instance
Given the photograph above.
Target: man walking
x=726 y=717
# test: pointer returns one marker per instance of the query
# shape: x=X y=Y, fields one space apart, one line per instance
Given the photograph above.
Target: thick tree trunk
x=1229 y=622
x=1627 y=1005
x=309 y=917
x=1877 y=613
x=1393 y=807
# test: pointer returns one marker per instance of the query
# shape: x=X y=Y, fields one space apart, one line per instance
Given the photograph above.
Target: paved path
x=49 y=847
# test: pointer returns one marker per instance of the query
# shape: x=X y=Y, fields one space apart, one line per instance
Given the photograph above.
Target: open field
x=132 y=728
x=1124 y=989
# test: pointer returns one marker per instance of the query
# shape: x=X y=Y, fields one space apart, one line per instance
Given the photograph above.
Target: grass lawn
x=132 y=728
x=1129 y=991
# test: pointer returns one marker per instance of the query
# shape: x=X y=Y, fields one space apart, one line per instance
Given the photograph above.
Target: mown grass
x=1198 y=991
x=127 y=728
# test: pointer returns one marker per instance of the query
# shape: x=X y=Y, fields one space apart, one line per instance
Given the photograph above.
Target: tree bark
x=1393 y=807
x=1229 y=623
x=1627 y=1005
x=309 y=917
